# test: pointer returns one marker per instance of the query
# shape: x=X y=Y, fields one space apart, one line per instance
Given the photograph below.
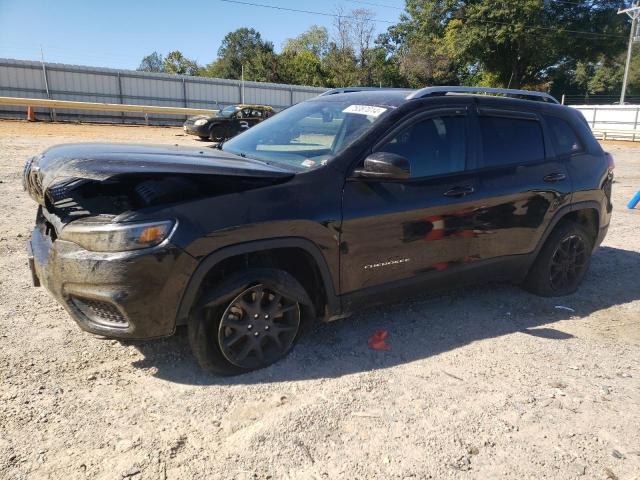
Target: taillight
x=610 y=163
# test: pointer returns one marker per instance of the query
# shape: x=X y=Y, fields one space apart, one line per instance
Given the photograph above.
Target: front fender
x=213 y=259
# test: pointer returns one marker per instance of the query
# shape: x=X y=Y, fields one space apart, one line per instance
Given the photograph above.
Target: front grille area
x=100 y=312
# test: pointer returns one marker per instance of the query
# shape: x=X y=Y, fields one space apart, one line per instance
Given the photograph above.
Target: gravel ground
x=480 y=383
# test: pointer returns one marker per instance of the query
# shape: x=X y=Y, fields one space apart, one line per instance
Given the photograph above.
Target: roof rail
x=540 y=96
x=333 y=91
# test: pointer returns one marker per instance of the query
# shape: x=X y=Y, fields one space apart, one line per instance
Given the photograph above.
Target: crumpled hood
x=101 y=161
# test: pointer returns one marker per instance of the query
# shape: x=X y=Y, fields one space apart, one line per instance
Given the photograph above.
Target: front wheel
x=217 y=134
x=563 y=261
x=250 y=321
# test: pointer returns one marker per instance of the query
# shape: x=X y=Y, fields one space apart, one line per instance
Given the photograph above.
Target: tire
x=203 y=138
x=234 y=319
x=553 y=274
x=217 y=134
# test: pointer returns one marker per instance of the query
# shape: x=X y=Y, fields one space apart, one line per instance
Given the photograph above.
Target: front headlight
x=116 y=237
x=200 y=122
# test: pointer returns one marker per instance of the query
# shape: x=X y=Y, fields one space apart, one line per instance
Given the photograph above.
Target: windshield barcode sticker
x=365 y=110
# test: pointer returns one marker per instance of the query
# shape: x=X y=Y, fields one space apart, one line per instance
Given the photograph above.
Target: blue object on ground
x=634 y=201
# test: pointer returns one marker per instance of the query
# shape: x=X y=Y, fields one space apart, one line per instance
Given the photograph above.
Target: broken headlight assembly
x=116 y=237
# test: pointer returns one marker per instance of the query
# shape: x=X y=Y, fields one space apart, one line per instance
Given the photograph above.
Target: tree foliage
x=153 y=62
x=314 y=40
x=505 y=44
x=575 y=47
x=175 y=62
x=245 y=49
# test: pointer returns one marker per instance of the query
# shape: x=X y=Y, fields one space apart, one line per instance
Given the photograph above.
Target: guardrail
x=612 y=134
x=105 y=107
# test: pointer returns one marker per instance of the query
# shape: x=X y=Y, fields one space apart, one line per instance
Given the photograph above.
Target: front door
x=395 y=230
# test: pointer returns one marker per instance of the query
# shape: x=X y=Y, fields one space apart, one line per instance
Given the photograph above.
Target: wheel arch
x=252 y=249
x=586 y=213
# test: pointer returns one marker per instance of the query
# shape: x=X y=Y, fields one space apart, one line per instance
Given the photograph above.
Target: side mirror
x=384 y=165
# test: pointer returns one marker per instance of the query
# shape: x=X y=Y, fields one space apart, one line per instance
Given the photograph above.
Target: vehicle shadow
x=418 y=328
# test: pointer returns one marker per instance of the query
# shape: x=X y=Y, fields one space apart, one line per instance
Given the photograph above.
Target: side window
x=508 y=141
x=564 y=136
x=256 y=113
x=433 y=146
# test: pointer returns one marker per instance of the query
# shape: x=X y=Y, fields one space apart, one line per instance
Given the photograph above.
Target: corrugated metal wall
x=28 y=79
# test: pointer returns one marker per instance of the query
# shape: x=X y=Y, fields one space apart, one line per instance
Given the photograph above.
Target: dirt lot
x=480 y=383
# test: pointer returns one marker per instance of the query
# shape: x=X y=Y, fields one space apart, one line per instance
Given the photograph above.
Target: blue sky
x=118 y=33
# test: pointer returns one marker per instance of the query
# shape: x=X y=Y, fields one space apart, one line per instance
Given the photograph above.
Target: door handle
x=459 y=191
x=554 y=177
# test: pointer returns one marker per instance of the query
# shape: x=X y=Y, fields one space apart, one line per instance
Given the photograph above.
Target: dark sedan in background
x=228 y=122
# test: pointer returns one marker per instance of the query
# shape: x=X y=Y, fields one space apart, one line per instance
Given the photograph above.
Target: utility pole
x=52 y=112
x=633 y=12
x=242 y=83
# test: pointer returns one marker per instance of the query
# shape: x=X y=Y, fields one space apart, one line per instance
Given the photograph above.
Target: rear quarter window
x=508 y=141
x=565 y=139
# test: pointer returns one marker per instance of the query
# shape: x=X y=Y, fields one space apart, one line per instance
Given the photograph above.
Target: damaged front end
x=81 y=180
x=103 y=241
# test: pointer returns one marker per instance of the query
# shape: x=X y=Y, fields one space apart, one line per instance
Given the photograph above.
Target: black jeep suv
x=346 y=200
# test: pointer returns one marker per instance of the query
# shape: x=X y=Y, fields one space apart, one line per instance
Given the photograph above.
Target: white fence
x=28 y=79
x=612 y=121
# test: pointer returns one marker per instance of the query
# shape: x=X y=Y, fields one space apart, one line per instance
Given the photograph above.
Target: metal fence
x=599 y=100
x=29 y=79
x=614 y=121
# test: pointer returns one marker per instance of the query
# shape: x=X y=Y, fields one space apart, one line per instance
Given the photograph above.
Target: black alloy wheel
x=568 y=262
x=251 y=319
x=258 y=327
x=563 y=261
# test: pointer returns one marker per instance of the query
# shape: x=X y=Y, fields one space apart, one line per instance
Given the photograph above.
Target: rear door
x=521 y=183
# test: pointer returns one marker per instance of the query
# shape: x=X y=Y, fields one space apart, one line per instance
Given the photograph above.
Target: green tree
x=348 y=60
x=153 y=62
x=301 y=67
x=604 y=76
x=302 y=58
x=244 y=48
x=519 y=43
x=315 y=40
x=175 y=62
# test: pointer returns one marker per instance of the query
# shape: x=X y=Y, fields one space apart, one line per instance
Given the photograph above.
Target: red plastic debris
x=377 y=341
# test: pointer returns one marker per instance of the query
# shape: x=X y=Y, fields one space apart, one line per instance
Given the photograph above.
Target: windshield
x=227 y=111
x=306 y=135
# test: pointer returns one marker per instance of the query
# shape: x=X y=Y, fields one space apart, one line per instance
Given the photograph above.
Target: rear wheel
x=563 y=261
x=250 y=321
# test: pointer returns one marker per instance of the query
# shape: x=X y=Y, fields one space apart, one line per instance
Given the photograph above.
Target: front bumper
x=601 y=234
x=200 y=131
x=131 y=295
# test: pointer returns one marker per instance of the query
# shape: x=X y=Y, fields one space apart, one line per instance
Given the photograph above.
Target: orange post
x=31 y=114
